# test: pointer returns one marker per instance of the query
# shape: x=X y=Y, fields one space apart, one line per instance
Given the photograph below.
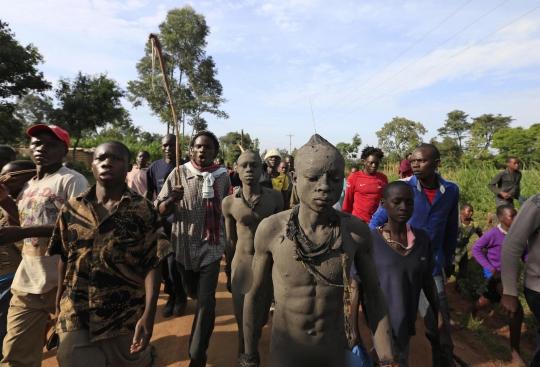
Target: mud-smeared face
x=319 y=177
x=249 y=168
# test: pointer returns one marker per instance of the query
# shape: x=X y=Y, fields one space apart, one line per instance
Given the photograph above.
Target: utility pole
x=290 y=144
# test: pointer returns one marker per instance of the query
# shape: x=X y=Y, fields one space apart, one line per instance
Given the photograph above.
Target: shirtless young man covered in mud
x=243 y=212
x=309 y=251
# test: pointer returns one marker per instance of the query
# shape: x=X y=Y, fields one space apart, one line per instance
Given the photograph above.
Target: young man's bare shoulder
x=227 y=201
x=354 y=225
x=276 y=194
x=275 y=223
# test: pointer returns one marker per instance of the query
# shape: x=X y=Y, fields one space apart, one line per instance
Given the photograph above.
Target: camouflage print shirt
x=107 y=263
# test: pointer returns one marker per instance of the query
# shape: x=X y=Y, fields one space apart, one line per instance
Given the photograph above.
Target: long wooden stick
x=241 y=145
x=157 y=47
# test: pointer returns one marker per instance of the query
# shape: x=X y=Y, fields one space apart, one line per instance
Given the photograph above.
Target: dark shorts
x=489 y=290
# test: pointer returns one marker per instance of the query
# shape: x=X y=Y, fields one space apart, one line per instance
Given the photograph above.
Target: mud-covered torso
x=308 y=311
x=248 y=219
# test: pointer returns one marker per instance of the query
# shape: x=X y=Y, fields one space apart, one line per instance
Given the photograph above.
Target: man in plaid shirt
x=198 y=234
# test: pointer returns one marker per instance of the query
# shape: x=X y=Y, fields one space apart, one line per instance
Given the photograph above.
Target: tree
x=35 y=109
x=456 y=126
x=230 y=151
x=450 y=150
x=400 y=135
x=87 y=103
x=519 y=142
x=191 y=73
x=207 y=91
x=18 y=73
x=482 y=130
x=12 y=128
x=350 y=150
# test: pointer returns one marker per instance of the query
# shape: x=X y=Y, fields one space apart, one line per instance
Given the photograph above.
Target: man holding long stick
x=198 y=235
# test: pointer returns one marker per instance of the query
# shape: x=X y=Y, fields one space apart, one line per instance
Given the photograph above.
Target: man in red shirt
x=405 y=169
x=365 y=188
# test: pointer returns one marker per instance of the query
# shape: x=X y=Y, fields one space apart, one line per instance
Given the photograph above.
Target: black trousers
x=533 y=300
x=202 y=286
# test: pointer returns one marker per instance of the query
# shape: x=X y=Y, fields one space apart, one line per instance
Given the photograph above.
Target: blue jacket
x=440 y=219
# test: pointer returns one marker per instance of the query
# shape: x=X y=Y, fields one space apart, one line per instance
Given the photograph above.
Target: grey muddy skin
x=241 y=223
x=309 y=314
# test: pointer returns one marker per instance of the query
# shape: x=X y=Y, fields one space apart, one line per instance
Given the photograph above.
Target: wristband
x=389 y=363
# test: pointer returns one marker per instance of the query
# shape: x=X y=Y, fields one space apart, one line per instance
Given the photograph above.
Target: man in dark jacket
x=506 y=185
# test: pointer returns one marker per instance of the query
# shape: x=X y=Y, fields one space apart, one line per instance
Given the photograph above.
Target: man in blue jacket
x=435 y=211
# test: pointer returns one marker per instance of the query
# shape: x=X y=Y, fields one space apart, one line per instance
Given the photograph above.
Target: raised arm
x=169 y=196
x=14 y=234
x=376 y=306
x=254 y=302
x=9 y=207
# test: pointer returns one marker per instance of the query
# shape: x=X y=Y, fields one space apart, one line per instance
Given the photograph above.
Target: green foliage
x=482 y=131
x=18 y=73
x=400 y=135
x=12 y=128
x=519 y=142
x=133 y=137
x=88 y=103
x=35 y=109
x=230 y=151
x=456 y=126
x=450 y=150
x=350 y=150
x=191 y=74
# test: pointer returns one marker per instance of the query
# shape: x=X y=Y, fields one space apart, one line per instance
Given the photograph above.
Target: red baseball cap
x=60 y=133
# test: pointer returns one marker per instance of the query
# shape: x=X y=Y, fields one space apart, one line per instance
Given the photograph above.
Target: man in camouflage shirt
x=111 y=244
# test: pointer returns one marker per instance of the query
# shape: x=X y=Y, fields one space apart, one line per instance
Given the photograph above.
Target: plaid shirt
x=188 y=231
x=107 y=263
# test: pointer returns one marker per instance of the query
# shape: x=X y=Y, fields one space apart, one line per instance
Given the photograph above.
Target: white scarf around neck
x=208 y=179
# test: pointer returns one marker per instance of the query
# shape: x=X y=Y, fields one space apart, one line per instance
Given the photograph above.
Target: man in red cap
x=36 y=280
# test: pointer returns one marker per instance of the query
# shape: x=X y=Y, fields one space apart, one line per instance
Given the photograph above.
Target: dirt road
x=171 y=337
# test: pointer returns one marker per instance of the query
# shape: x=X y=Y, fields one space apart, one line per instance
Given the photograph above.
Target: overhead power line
x=396 y=58
x=415 y=61
x=442 y=62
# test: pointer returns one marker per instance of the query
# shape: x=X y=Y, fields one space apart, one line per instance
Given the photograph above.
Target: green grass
x=487 y=337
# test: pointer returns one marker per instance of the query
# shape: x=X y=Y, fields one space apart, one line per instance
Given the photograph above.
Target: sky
x=359 y=63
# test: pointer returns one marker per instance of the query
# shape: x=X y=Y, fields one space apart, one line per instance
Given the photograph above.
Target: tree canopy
x=482 y=130
x=18 y=73
x=400 y=135
x=519 y=142
x=350 y=150
x=191 y=73
x=456 y=126
x=87 y=103
x=230 y=151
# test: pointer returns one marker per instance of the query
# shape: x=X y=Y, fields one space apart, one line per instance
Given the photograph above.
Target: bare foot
x=516 y=359
x=490 y=218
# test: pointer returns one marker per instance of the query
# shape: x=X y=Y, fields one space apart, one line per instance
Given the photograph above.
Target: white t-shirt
x=39 y=203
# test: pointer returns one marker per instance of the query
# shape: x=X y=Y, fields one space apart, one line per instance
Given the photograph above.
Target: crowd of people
x=299 y=240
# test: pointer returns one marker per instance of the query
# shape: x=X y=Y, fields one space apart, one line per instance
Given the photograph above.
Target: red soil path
x=171 y=337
